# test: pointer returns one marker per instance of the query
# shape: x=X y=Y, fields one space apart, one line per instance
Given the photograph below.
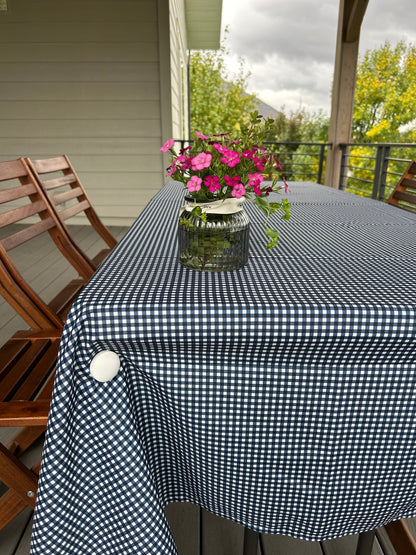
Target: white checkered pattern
x=281 y=395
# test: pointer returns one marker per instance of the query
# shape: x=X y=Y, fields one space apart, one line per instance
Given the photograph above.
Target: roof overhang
x=203 y=24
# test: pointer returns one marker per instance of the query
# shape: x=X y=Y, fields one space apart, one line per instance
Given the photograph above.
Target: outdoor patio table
x=281 y=395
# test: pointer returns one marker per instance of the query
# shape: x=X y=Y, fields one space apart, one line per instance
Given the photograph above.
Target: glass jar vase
x=217 y=245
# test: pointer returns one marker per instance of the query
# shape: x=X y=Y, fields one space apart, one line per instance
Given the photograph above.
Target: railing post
x=341 y=183
x=384 y=169
x=321 y=163
x=377 y=173
x=380 y=172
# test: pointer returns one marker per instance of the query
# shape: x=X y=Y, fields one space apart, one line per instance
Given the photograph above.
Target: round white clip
x=104 y=366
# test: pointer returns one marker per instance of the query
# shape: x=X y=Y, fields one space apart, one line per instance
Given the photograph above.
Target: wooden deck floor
x=220 y=536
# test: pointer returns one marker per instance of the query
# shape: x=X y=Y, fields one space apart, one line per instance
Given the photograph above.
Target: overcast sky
x=289 y=45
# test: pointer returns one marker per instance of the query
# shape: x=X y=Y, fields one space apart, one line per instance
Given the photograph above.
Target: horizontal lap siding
x=82 y=78
x=179 y=85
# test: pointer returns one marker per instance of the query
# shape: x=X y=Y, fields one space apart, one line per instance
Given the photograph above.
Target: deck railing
x=367 y=169
x=299 y=161
x=373 y=169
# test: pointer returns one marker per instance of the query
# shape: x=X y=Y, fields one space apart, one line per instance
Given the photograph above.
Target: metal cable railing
x=367 y=169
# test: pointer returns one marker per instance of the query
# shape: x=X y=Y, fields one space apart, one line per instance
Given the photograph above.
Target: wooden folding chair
x=68 y=198
x=401 y=196
x=27 y=359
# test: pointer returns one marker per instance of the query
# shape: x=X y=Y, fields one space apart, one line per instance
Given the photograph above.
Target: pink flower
x=194 y=184
x=287 y=190
x=254 y=181
x=184 y=162
x=255 y=178
x=213 y=183
x=231 y=182
x=221 y=149
x=248 y=153
x=259 y=163
x=201 y=136
x=277 y=163
x=171 y=170
x=231 y=158
x=169 y=144
x=201 y=161
x=238 y=191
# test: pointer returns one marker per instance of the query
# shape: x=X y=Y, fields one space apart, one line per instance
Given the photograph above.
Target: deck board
x=220 y=536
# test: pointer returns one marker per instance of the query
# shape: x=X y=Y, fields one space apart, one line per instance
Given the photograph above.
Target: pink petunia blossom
x=255 y=178
x=201 y=136
x=213 y=183
x=277 y=163
x=231 y=158
x=201 y=161
x=220 y=148
x=186 y=165
x=194 y=184
x=171 y=170
x=259 y=163
x=248 y=153
x=169 y=144
x=254 y=181
x=231 y=181
x=287 y=190
x=238 y=191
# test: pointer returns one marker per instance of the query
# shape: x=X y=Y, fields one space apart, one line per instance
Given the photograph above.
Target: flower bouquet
x=219 y=173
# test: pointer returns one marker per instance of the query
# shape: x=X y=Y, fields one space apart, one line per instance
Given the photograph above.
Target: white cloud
x=289 y=45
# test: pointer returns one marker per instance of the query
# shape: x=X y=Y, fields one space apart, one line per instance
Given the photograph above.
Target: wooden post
x=351 y=14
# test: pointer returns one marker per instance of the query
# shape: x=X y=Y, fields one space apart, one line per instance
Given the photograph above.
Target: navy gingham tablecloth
x=281 y=395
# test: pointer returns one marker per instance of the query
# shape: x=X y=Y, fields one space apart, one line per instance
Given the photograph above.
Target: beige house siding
x=84 y=78
x=179 y=76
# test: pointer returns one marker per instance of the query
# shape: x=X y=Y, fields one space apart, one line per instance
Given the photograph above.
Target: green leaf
x=185 y=222
x=263 y=205
x=274 y=237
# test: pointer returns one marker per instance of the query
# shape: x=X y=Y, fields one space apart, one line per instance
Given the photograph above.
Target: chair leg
x=365 y=543
x=11 y=504
x=16 y=476
x=251 y=541
x=401 y=538
x=201 y=531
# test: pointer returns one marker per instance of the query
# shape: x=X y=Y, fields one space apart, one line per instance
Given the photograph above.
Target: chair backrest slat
x=59 y=198
x=49 y=165
x=25 y=214
x=73 y=210
x=17 y=375
x=408 y=183
x=39 y=374
x=18 y=214
x=67 y=178
x=19 y=237
x=51 y=184
x=406 y=197
x=400 y=196
x=21 y=297
x=12 y=169
x=15 y=193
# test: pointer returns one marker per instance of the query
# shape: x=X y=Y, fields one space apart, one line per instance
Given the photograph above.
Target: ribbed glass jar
x=221 y=244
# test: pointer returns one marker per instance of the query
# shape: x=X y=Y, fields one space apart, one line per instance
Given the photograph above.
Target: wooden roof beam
x=354 y=11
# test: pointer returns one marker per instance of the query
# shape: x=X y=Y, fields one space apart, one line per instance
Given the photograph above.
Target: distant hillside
x=266 y=110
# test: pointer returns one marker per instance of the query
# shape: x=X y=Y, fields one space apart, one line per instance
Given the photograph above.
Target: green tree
x=384 y=110
x=219 y=101
x=299 y=161
x=385 y=96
